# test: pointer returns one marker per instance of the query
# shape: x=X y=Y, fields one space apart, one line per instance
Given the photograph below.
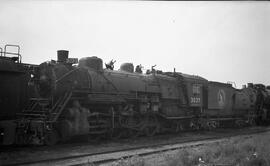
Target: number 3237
x=195 y=100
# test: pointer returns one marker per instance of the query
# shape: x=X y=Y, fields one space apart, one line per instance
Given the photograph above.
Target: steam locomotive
x=68 y=98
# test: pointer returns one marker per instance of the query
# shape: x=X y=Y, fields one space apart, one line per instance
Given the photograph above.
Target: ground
x=241 y=151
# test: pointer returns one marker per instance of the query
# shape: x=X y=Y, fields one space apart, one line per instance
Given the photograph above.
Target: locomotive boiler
x=86 y=99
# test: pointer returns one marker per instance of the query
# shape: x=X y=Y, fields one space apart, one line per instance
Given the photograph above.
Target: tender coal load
x=93 y=62
x=128 y=67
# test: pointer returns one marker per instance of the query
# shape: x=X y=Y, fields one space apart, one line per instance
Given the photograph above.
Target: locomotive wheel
x=119 y=133
x=194 y=125
x=128 y=133
x=19 y=137
x=51 y=138
x=115 y=134
x=135 y=133
x=22 y=138
x=151 y=127
x=252 y=122
x=239 y=123
x=210 y=125
x=150 y=131
x=179 y=127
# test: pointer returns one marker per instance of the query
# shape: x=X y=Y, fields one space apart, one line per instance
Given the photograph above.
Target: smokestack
x=62 y=56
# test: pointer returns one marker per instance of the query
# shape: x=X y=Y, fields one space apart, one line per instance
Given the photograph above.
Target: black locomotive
x=70 y=100
x=14 y=89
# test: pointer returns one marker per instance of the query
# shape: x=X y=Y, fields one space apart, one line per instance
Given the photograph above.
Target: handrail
x=110 y=82
x=68 y=73
x=62 y=103
x=12 y=53
x=12 y=45
x=232 y=83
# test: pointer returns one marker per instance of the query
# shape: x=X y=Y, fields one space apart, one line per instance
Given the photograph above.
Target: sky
x=220 y=41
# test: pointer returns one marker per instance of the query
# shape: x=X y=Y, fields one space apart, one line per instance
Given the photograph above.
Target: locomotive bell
x=62 y=56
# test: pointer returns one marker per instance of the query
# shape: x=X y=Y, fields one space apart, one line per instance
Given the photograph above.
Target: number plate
x=72 y=60
x=195 y=100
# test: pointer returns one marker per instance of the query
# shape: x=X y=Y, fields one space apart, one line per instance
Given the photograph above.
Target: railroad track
x=114 y=155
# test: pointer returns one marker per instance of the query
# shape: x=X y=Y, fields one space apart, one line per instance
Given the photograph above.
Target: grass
x=253 y=151
x=132 y=161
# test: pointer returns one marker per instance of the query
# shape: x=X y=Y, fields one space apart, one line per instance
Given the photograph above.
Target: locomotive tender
x=14 y=89
x=85 y=99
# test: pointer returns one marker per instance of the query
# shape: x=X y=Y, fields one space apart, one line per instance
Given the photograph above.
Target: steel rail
x=161 y=147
